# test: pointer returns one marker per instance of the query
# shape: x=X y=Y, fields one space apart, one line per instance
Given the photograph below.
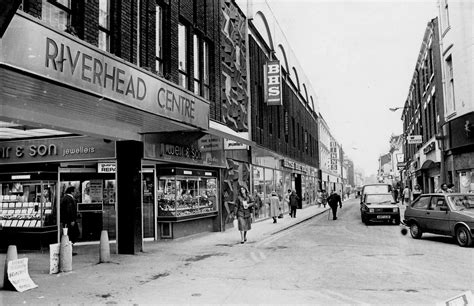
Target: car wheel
x=463 y=237
x=415 y=230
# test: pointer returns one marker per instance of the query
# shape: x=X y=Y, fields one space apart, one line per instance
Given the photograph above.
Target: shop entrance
x=299 y=190
x=148 y=200
x=95 y=196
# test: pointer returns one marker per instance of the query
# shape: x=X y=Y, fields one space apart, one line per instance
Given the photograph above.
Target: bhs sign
x=273 y=83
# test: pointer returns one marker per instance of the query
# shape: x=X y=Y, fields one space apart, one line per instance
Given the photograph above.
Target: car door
x=418 y=211
x=437 y=220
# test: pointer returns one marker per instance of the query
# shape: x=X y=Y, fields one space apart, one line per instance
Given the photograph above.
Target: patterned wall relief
x=234 y=70
x=236 y=175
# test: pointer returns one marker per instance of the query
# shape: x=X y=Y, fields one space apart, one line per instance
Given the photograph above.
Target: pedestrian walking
x=257 y=204
x=444 y=188
x=416 y=192
x=333 y=200
x=324 y=198
x=293 y=203
x=286 y=200
x=406 y=195
x=320 y=198
x=68 y=214
x=395 y=194
x=274 y=206
x=243 y=212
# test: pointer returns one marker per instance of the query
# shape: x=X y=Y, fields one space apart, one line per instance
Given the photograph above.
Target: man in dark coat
x=333 y=200
x=293 y=203
x=69 y=214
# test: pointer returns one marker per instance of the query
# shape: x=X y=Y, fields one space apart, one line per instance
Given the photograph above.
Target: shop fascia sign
x=414 y=139
x=230 y=144
x=293 y=165
x=430 y=147
x=272 y=83
x=54 y=55
x=109 y=167
x=55 y=149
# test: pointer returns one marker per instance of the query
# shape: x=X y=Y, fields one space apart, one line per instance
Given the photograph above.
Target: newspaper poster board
x=18 y=275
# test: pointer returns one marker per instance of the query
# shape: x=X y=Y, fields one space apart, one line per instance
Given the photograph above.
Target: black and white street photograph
x=236 y=152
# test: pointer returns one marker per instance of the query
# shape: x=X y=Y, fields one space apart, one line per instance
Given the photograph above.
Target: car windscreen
x=462 y=202
x=378 y=198
x=377 y=189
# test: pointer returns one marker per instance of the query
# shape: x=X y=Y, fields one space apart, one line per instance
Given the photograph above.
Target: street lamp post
x=442 y=169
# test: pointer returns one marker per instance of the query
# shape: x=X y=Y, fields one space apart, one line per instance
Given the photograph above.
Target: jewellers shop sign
x=272 y=72
x=55 y=150
x=32 y=46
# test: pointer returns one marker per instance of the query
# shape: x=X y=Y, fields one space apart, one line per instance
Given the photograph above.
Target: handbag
x=281 y=214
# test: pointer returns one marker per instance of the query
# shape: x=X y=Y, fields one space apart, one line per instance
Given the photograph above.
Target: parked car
x=450 y=214
x=378 y=188
x=379 y=208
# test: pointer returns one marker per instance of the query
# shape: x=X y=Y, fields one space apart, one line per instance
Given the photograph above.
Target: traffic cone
x=11 y=255
x=104 y=254
x=65 y=253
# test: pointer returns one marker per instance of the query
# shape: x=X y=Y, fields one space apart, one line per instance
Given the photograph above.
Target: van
x=380 y=188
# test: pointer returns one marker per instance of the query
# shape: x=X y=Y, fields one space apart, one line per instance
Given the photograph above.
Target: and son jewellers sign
x=31 y=46
x=55 y=149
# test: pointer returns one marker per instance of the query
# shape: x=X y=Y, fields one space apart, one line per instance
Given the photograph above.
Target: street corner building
x=156 y=112
x=438 y=114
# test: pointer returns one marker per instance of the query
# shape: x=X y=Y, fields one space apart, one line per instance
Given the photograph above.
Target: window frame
x=105 y=30
x=59 y=6
x=159 y=39
x=183 y=54
x=197 y=71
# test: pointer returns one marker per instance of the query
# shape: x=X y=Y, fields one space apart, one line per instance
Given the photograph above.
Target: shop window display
x=180 y=196
x=27 y=204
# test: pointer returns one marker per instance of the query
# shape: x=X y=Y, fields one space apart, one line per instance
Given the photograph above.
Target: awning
x=223 y=131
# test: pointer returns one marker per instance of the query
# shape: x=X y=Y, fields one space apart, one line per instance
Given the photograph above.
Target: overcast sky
x=360 y=57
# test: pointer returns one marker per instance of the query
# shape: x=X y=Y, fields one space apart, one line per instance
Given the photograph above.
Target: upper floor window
x=444 y=15
x=57 y=13
x=450 y=101
x=104 y=25
x=197 y=66
x=183 y=55
x=201 y=66
x=159 y=39
x=205 y=70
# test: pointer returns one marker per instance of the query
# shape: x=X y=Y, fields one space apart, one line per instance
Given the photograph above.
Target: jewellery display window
x=182 y=196
x=27 y=204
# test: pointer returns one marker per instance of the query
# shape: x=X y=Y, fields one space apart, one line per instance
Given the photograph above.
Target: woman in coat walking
x=243 y=211
x=274 y=206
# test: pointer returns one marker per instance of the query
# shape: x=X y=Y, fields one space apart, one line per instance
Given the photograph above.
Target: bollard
x=65 y=253
x=11 y=255
x=104 y=254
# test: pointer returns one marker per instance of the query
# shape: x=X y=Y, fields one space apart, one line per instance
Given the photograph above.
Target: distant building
x=423 y=114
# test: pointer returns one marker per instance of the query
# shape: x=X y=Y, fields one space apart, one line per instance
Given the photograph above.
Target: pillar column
x=129 y=205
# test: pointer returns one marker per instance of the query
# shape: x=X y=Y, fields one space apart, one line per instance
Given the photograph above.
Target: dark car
x=450 y=214
x=379 y=208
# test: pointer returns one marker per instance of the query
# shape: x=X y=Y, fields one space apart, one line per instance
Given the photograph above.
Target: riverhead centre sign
x=31 y=46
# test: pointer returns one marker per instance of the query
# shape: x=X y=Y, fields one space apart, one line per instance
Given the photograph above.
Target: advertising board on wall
x=58 y=57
